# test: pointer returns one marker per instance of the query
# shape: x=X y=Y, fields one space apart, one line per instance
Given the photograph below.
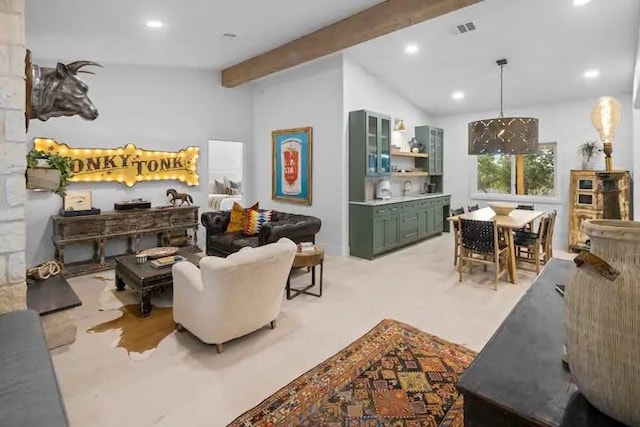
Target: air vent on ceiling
x=463 y=28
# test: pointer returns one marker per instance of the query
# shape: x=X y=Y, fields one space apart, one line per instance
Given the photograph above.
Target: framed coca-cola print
x=291 y=170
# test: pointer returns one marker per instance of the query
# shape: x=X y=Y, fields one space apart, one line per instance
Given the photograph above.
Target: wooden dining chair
x=526 y=207
x=528 y=227
x=456 y=234
x=549 y=240
x=473 y=208
x=536 y=248
x=480 y=244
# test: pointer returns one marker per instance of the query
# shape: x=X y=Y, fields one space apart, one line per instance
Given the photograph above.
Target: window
x=530 y=175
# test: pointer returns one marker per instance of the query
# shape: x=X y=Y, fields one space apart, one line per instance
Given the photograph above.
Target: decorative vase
x=602 y=321
x=587 y=163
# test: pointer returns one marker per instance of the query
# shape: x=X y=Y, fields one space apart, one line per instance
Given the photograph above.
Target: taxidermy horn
x=75 y=67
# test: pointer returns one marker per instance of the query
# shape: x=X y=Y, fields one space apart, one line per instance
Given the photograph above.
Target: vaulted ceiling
x=550 y=44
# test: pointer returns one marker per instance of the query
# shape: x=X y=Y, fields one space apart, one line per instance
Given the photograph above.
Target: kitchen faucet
x=406 y=187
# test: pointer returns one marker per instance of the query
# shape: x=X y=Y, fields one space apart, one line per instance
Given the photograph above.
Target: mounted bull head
x=59 y=91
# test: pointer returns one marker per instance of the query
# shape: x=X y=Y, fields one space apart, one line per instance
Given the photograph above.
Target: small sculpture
x=58 y=91
x=415 y=146
x=183 y=197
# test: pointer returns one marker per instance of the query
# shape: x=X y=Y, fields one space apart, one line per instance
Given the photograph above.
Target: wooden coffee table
x=145 y=279
x=309 y=259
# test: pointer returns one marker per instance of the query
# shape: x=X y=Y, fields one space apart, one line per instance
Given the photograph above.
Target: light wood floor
x=186 y=383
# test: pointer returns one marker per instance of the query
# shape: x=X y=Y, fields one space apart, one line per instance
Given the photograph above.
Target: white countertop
x=400 y=199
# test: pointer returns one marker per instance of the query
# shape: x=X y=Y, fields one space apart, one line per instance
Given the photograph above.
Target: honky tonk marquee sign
x=127 y=165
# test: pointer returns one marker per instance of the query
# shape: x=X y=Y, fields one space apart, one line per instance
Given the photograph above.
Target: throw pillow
x=219 y=187
x=236 y=186
x=255 y=220
x=238 y=218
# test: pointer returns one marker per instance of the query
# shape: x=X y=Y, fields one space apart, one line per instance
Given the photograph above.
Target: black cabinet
x=518 y=379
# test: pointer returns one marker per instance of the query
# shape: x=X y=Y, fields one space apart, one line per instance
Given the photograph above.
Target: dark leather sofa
x=299 y=228
x=29 y=393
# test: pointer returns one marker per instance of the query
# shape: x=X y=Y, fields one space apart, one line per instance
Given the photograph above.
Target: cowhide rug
x=140 y=336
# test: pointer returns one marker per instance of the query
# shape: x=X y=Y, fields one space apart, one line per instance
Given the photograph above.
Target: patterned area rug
x=395 y=375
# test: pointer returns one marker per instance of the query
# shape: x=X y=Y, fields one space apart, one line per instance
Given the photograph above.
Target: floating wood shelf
x=410 y=174
x=408 y=154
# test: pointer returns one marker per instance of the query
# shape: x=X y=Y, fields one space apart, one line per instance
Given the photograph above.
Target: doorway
x=226 y=174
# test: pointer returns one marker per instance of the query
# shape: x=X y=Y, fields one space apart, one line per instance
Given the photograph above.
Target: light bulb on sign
x=606 y=116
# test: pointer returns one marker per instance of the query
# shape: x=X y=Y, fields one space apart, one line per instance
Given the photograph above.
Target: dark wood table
x=145 y=279
x=518 y=379
x=51 y=295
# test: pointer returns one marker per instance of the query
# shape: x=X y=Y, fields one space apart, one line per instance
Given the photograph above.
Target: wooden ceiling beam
x=381 y=19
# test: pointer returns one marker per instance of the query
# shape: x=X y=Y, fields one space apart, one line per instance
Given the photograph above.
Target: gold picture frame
x=291 y=168
x=78 y=200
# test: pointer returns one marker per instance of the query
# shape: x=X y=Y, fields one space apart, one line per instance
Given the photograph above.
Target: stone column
x=12 y=156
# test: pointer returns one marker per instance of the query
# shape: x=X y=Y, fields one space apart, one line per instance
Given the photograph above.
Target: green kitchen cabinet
x=385 y=234
x=433 y=140
x=376 y=228
x=369 y=149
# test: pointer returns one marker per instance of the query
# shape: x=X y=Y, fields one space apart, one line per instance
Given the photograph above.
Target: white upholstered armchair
x=227 y=298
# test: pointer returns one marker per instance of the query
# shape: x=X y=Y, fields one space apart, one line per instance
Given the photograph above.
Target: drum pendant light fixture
x=503 y=135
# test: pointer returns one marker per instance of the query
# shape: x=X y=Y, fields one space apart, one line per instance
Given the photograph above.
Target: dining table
x=518 y=218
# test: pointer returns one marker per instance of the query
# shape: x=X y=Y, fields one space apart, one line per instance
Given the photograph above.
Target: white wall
x=362 y=90
x=154 y=107
x=310 y=95
x=568 y=124
x=320 y=95
x=636 y=131
x=636 y=162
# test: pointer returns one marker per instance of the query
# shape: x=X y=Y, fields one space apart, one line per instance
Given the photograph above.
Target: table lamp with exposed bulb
x=605 y=117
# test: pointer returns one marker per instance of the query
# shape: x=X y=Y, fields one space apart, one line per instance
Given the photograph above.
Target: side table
x=307 y=259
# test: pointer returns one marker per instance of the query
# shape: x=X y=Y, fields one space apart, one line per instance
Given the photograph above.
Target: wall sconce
x=605 y=117
x=398 y=126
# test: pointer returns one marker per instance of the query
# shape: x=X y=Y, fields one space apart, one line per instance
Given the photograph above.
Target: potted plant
x=48 y=171
x=588 y=152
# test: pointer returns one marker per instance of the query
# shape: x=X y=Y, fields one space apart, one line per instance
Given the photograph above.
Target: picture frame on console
x=77 y=200
x=291 y=173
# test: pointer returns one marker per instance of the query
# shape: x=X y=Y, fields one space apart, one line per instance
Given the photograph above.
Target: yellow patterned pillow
x=255 y=220
x=238 y=218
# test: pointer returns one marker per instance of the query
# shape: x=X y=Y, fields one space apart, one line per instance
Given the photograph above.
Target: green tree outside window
x=495 y=177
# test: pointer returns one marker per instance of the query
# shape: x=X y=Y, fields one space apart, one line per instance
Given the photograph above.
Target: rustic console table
x=130 y=225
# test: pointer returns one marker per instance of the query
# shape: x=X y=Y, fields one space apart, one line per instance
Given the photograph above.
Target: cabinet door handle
x=410 y=219
x=410 y=235
x=380 y=211
x=394 y=209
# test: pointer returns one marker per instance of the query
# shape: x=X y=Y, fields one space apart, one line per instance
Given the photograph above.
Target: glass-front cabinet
x=433 y=139
x=373 y=130
x=370 y=142
x=384 y=167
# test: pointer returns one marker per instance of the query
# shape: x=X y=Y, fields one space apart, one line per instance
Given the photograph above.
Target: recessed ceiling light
x=580 y=2
x=591 y=74
x=411 y=49
x=458 y=96
x=154 y=24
